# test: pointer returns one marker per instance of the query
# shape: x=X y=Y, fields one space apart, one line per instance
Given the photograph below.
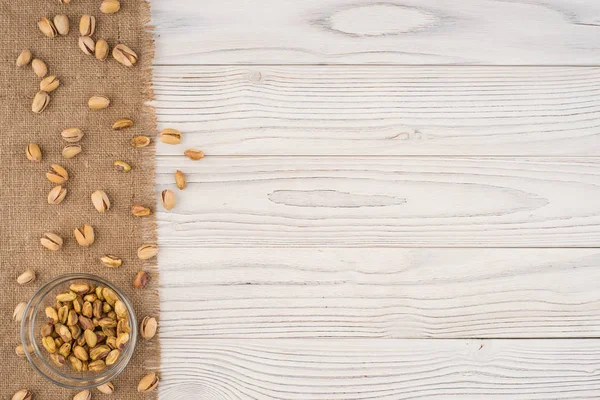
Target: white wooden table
x=400 y=199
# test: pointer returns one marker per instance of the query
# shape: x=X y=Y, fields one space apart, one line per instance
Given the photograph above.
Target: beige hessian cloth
x=24 y=212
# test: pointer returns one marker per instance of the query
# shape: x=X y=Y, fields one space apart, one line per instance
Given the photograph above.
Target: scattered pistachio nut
x=57 y=174
x=139 y=210
x=19 y=311
x=147 y=251
x=33 y=152
x=20 y=350
x=110 y=6
x=40 y=102
x=148 y=383
x=193 y=154
x=140 y=141
x=87 y=45
x=168 y=199
x=122 y=166
x=111 y=261
x=101 y=51
x=49 y=83
x=87 y=25
x=83 y=395
x=141 y=279
x=39 y=68
x=51 y=241
x=71 y=150
x=100 y=201
x=170 y=136
x=107 y=388
x=122 y=123
x=61 y=22
x=26 y=277
x=84 y=235
x=57 y=195
x=72 y=135
x=98 y=102
x=148 y=327
x=22 y=394
x=24 y=58
x=180 y=180
x=124 y=55
x=47 y=27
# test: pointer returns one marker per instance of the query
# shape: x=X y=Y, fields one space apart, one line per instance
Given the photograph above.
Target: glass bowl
x=35 y=317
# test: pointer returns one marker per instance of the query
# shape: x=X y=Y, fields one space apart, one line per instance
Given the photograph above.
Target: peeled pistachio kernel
x=57 y=359
x=19 y=311
x=49 y=344
x=168 y=199
x=22 y=394
x=111 y=261
x=110 y=6
x=140 y=280
x=24 y=58
x=85 y=322
x=80 y=288
x=49 y=83
x=122 y=340
x=120 y=309
x=39 y=67
x=40 y=102
x=122 y=123
x=61 y=22
x=66 y=296
x=63 y=332
x=112 y=357
x=26 y=277
x=81 y=353
x=180 y=180
x=100 y=201
x=148 y=327
x=193 y=154
x=170 y=136
x=65 y=349
x=72 y=135
x=122 y=166
x=109 y=296
x=33 y=152
x=87 y=25
x=140 y=211
x=51 y=241
x=71 y=151
x=78 y=304
x=87 y=309
x=57 y=174
x=57 y=195
x=83 y=395
x=101 y=50
x=52 y=316
x=63 y=313
x=147 y=251
x=99 y=352
x=148 y=383
x=47 y=328
x=140 y=141
x=72 y=318
x=98 y=102
x=107 y=388
x=87 y=45
x=47 y=27
x=76 y=364
x=124 y=55
x=97 y=365
x=90 y=338
x=84 y=235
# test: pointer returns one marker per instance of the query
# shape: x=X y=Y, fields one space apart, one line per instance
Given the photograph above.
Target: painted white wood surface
x=556 y=32
x=380 y=369
x=377 y=110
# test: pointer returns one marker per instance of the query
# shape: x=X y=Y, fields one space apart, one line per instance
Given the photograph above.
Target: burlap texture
x=24 y=212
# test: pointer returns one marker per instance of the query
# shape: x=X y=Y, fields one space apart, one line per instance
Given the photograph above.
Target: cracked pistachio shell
x=107 y=388
x=170 y=136
x=51 y=241
x=71 y=151
x=26 y=277
x=49 y=83
x=57 y=174
x=148 y=327
x=61 y=22
x=147 y=251
x=19 y=311
x=72 y=135
x=40 y=102
x=124 y=55
x=148 y=383
x=47 y=27
x=168 y=199
x=100 y=201
x=87 y=45
x=23 y=394
x=24 y=58
x=57 y=195
x=87 y=25
x=83 y=395
x=84 y=235
x=33 y=152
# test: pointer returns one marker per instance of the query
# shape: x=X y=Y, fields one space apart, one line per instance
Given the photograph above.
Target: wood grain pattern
x=380 y=369
x=383 y=202
x=376 y=110
x=370 y=31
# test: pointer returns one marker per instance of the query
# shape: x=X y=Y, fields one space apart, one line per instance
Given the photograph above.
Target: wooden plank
x=380 y=369
x=370 y=31
x=383 y=202
x=379 y=293
x=380 y=110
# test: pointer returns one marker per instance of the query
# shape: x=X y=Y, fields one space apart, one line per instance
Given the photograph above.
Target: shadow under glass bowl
x=35 y=317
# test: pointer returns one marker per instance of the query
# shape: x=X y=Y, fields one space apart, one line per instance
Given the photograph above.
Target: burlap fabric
x=24 y=212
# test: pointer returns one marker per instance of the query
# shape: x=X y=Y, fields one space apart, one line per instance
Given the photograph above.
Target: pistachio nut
x=90 y=338
x=110 y=296
x=49 y=83
x=61 y=22
x=97 y=365
x=57 y=174
x=33 y=152
x=52 y=316
x=80 y=340
x=47 y=329
x=108 y=310
x=87 y=25
x=65 y=350
x=51 y=241
x=90 y=297
x=148 y=327
x=100 y=201
x=107 y=388
x=111 y=342
x=123 y=326
x=122 y=340
x=72 y=135
x=148 y=383
x=39 y=67
x=193 y=154
x=87 y=45
x=97 y=309
x=122 y=166
x=84 y=235
x=139 y=210
x=83 y=395
x=40 y=102
x=99 y=291
x=124 y=55
x=63 y=332
x=66 y=296
x=63 y=313
x=19 y=311
x=20 y=351
x=87 y=309
x=81 y=288
x=111 y=261
x=168 y=199
x=112 y=357
x=78 y=304
x=110 y=6
x=140 y=141
x=57 y=359
x=57 y=195
x=122 y=123
x=49 y=344
x=98 y=102
x=120 y=309
x=71 y=150
x=76 y=364
x=22 y=394
x=170 y=136
x=147 y=251
x=58 y=342
x=47 y=27
x=81 y=353
x=180 y=180
x=26 y=277
x=64 y=1
x=24 y=58
x=99 y=352
x=101 y=51
x=72 y=318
